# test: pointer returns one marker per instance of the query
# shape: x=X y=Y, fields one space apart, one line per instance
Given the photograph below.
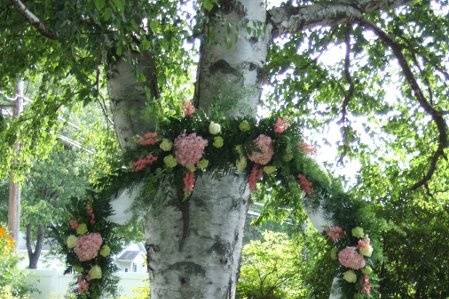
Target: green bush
x=271 y=268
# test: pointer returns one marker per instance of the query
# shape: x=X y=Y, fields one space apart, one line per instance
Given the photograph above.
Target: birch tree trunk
x=194 y=247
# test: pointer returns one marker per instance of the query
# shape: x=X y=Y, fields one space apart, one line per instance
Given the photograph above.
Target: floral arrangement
x=88 y=240
x=273 y=157
x=354 y=252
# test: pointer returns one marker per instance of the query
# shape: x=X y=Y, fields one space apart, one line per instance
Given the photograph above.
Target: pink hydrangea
x=189 y=148
x=87 y=246
x=305 y=184
x=189 y=182
x=255 y=175
x=83 y=285
x=350 y=258
x=366 y=285
x=73 y=223
x=280 y=125
x=149 y=138
x=335 y=233
x=142 y=163
x=264 y=150
x=188 y=108
x=306 y=148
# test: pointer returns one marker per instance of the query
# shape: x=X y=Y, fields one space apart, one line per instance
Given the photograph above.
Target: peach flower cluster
x=149 y=138
x=264 y=150
x=335 y=233
x=305 y=184
x=142 y=163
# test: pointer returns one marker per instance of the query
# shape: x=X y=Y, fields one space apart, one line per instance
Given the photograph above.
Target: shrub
x=11 y=279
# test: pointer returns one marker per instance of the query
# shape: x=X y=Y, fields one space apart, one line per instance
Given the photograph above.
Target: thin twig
x=437 y=116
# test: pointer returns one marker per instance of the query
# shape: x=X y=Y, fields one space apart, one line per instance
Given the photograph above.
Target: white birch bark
x=194 y=246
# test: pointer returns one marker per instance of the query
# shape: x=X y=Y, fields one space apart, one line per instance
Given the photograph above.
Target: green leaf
x=119 y=5
x=99 y=4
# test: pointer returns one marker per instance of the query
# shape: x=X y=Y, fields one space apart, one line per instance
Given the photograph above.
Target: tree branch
x=293 y=19
x=33 y=19
x=436 y=115
x=350 y=92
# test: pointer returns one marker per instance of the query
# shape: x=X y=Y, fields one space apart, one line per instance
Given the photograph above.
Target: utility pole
x=14 y=186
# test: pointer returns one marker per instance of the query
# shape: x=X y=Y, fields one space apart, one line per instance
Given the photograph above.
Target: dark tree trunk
x=33 y=256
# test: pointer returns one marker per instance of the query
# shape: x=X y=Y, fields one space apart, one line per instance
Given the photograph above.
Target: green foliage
x=272 y=267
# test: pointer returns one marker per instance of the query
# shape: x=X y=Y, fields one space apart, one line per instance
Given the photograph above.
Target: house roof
x=128 y=255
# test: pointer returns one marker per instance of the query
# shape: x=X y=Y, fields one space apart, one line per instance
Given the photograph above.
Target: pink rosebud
x=366 y=285
x=335 y=233
x=306 y=148
x=142 y=163
x=263 y=150
x=149 y=138
x=280 y=125
x=73 y=223
x=188 y=108
x=255 y=175
x=189 y=182
x=305 y=184
x=83 y=285
x=350 y=258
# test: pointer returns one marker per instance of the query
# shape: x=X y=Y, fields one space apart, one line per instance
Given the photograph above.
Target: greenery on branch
x=88 y=240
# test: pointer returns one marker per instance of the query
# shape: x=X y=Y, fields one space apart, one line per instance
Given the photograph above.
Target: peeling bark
x=206 y=264
x=130 y=98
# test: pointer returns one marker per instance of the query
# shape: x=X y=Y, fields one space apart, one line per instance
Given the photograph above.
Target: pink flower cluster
x=335 y=233
x=306 y=148
x=255 y=175
x=305 y=184
x=264 y=150
x=350 y=258
x=188 y=108
x=83 y=285
x=280 y=125
x=149 y=138
x=189 y=148
x=87 y=246
x=90 y=214
x=142 y=163
x=189 y=182
x=73 y=223
x=366 y=285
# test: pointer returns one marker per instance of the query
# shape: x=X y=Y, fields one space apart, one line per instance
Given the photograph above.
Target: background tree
x=144 y=51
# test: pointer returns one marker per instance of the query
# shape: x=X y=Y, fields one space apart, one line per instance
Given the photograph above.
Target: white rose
x=214 y=128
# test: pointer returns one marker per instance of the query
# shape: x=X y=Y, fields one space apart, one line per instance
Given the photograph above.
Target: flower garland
x=88 y=240
x=270 y=153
